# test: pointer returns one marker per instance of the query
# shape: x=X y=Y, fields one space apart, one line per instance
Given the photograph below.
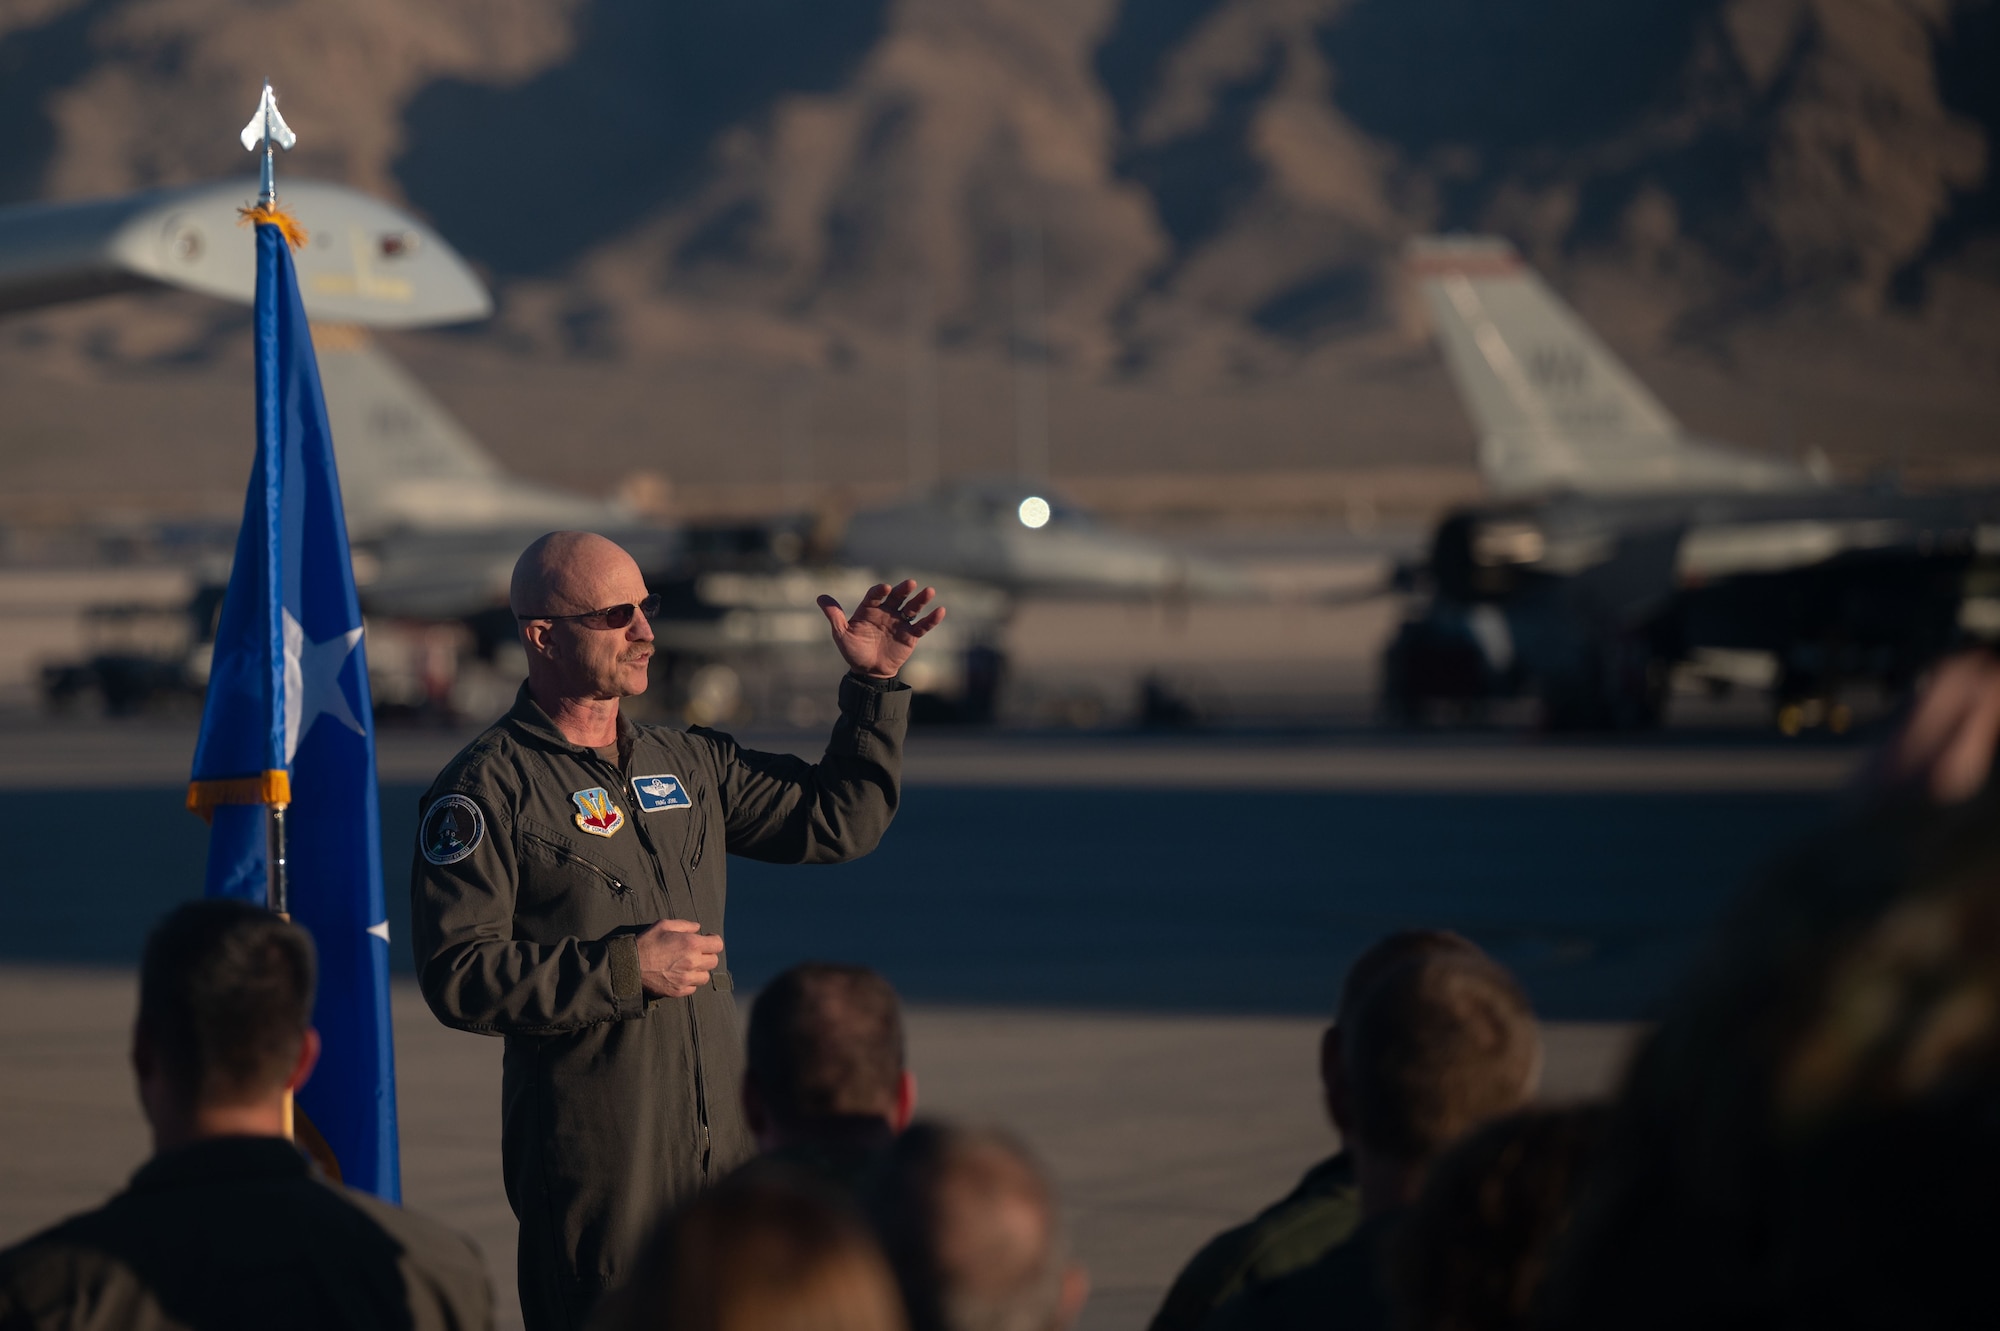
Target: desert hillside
x=791 y=244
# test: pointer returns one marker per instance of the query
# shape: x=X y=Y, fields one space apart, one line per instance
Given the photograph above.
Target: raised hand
x=883 y=630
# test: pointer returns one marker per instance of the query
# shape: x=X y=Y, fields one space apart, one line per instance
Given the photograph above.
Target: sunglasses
x=610 y=617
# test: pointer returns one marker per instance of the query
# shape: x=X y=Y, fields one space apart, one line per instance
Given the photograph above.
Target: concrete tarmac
x=1122 y=947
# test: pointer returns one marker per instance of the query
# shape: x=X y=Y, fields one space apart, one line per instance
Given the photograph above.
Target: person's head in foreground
x=767 y=1250
x=1433 y=1047
x=1384 y=955
x=826 y=1059
x=1812 y=1136
x=224 y=1027
x=580 y=601
x=1472 y=1251
x=972 y=1227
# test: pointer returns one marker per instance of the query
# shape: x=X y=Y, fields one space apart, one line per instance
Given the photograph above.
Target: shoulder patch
x=452 y=829
x=664 y=791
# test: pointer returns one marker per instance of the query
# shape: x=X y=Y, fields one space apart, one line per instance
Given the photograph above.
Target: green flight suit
x=242 y=1232
x=1284 y=1237
x=538 y=863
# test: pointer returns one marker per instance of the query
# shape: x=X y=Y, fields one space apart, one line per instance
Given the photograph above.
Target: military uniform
x=539 y=862
x=1345 y=1290
x=239 y=1232
x=1284 y=1237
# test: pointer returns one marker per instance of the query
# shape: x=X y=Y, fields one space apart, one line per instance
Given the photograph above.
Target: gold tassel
x=274 y=787
x=295 y=235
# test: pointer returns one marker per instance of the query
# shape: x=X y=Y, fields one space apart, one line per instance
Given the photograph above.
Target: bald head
x=573 y=664
x=564 y=572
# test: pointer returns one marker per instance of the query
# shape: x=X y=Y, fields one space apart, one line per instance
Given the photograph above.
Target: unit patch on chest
x=655 y=793
x=596 y=813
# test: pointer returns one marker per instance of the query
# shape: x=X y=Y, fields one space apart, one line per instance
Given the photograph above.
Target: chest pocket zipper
x=566 y=858
x=700 y=812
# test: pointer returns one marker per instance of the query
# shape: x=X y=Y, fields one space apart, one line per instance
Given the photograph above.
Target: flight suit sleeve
x=475 y=974
x=780 y=808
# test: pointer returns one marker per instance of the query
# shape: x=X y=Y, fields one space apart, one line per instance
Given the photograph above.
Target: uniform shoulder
x=1284 y=1237
x=436 y=1247
x=486 y=765
x=47 y=1271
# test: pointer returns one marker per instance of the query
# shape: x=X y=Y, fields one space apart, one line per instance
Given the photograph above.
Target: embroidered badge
x=595 y=813
x=453 y=829
x=655 y=793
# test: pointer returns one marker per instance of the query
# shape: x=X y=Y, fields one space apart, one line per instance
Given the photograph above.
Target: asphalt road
x=1207 y=874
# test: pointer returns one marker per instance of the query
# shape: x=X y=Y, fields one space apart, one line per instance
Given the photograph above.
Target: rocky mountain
x=1167 y=207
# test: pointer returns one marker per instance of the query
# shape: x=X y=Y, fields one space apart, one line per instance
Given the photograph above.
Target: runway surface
x=1121 y=946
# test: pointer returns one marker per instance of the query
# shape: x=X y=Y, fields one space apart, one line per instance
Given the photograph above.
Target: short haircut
x=826 y=1040
x=766 y=1250
x=971 y=1226
x=1473 y=1249
x=1434 y=1047
x=1392 y=950
x=225 y=998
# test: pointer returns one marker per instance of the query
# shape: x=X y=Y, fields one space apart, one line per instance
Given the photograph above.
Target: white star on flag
x=312 y=682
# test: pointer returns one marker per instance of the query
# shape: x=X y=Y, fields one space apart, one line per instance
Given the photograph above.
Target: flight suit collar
x=221 y=1160
x=529 y=721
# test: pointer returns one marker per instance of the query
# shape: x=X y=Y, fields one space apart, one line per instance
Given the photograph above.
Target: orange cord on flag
x=262 y=215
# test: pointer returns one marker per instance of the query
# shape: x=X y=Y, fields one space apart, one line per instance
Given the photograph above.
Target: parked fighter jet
x=436 y=523
x=423 y=499
x=1020 y=537
x=1620 y=546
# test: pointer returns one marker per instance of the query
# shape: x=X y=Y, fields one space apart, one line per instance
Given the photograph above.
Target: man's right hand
x=676 y=958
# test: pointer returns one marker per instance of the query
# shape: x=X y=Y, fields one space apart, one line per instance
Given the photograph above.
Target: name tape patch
x=655 y=793
x=453 y=829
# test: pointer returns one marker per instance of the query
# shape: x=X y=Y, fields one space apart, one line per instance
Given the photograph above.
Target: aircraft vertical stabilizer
x=407 y=464
x=1555 y=409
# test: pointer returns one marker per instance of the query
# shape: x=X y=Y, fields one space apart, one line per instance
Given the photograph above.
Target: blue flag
x=287 y=721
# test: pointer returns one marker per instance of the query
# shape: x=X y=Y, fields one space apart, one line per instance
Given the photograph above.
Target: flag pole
x=277 y=897
x=268 y=129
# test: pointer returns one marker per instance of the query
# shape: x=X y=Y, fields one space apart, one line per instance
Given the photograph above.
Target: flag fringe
x=264 y=788
x=262 y=215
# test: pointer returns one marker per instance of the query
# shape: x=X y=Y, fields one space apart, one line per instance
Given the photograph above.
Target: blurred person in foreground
x=1811 y=1138
x=1325 y=1207
x=825 y=1085
x=1471 y=1253
x=770 y=1249
x=972 y=1228
x=1438 y=1045
x=228 y=1225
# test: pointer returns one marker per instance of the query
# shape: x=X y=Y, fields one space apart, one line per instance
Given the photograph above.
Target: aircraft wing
x=1555 y=409
x=364 y=261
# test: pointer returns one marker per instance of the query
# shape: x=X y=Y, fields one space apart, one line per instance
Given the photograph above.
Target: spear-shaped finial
x=267 y=127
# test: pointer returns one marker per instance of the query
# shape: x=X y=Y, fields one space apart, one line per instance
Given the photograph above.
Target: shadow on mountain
x=1504 y=80
x=1496 y=98
x=528 y=177
x=36 y=63
x=1145 y=33
x=1967 y=54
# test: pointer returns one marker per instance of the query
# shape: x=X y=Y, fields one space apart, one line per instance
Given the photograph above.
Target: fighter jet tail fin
x=406 y=462
x=1555 y=409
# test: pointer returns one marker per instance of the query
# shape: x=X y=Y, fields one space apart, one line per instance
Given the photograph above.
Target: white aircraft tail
x=407 y=465
x=1554 y=408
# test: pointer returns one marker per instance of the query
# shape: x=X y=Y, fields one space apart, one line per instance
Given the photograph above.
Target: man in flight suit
x=568 y=895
